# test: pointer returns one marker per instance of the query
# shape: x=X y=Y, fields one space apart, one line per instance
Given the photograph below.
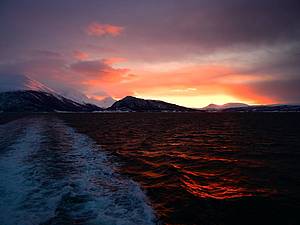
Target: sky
x=191 y=52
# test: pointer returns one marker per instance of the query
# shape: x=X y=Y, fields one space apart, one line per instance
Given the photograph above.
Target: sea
x=150 y=168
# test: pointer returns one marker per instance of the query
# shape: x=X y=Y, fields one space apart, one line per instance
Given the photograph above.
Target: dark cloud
x=45 y=54
x=281 y=91
x=233 y=22
x=39 y=68
x=91 y=68
x=281 y=62
x=176 y=25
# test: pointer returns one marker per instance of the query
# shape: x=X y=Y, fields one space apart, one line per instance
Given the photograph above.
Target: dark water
x=149 y=168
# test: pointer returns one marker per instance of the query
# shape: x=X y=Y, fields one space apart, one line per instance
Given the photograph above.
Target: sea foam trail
x=50 y=174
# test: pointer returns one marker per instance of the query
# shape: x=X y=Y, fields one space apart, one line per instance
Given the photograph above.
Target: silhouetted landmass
x=38 y=101
x=133 y=104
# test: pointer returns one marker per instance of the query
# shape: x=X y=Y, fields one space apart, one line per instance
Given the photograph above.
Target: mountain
x=103 y=103
x=19 y=93
x=18 y=82
x=74 y=95
x=225 y=106
x=40 y=101
x=133 y=104
x=106 y=102
x=77 y=96
x=212 y=106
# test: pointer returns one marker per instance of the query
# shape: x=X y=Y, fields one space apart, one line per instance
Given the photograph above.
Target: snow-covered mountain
x=19 y=93
x=39 y=101
x=82 y=98
x=225 y=106
x=74 y=95
x=103 y=103
x=18 y=82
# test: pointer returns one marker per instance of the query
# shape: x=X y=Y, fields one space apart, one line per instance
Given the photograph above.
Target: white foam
x=35 y=188
x=14 y=187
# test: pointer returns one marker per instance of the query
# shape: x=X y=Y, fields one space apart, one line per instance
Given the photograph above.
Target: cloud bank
x=236 y=49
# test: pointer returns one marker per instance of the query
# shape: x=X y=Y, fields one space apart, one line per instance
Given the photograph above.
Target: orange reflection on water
x=214 y=186
x=214 y=190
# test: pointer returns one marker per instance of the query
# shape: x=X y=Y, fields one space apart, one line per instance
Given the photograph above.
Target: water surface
x=150 y=168
x=207 y=168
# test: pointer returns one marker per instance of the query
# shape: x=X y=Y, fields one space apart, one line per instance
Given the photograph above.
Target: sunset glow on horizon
x=191 y=53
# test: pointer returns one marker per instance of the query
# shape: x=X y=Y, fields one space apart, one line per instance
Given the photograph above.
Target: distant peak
x=213 y=105
x=225 y=106
x=130 y=98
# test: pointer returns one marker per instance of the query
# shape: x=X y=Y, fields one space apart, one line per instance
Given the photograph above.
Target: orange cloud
x=189 y=85
x=248 y=94
x=114 y=60
x=80 y=55
x=98 y=29
x=98 y=71
x=193 y=86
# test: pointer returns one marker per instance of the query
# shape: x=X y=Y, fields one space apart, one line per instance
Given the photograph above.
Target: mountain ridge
x=19 y=93
x=21 y=82
x=134 y=104
x=39 y=101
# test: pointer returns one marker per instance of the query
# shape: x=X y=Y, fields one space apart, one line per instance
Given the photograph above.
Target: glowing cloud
x=96 y=71
x=114 y=60
x=80 y=55
x=98 y=29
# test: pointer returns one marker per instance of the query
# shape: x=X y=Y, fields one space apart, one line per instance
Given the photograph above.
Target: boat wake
x=51 y=174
